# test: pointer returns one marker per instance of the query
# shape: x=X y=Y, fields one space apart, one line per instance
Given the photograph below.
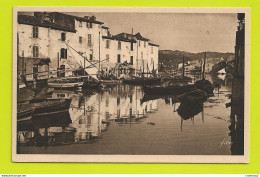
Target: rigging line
x=85 y=58
x=62 y=71
x=74 y=57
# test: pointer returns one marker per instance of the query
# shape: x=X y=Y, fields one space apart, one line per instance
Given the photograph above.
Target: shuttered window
x=35 y=51
x=107 y=57
x=119 y=45
x=63 y=53
x=35 y=32
x=80 y=40
x=118 y=58
x=89 y=39
x=107 y=44
x=63 y=36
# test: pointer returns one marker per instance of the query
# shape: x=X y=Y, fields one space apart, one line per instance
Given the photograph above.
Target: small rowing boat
x=192 y=97
x=68 y=85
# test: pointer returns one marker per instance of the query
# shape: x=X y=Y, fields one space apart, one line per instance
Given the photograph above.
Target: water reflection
x=121 y=119
x=90 y=114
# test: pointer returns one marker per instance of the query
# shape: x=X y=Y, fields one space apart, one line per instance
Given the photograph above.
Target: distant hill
x=171 y=58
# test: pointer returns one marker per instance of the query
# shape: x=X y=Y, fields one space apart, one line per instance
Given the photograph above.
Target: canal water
x=123 y=120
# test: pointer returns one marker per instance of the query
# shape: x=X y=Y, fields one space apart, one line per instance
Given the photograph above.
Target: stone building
x=49 y=42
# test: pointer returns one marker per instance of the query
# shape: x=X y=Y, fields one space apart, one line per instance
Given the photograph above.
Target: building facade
x=52 y=44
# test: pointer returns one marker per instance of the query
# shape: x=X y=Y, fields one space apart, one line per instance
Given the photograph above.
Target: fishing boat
x=187 y=111
x=50 y=107
x=203 y=85
x=179 y=79
x=43 y=113
x=192 y=97
x=89 y=83
x=181 y=87
x=24 y=112
x=142 y=81
x=168 y=90
x=64 y=83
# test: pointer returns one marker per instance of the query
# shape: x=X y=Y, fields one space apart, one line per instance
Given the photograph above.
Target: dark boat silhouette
x=50 y=107
x=142 y=81
x=188 y=111
x=203 y=85
x=193 y=97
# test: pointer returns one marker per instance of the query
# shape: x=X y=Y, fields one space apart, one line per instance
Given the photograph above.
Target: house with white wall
x=51 y=41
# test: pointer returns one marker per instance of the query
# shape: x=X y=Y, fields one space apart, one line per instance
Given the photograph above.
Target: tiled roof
x=119 y=38
x=80 y=18
x=126 y=37
x=35 y=21
x=140 y=37
x=88 y=20
x=122 y=37
x=156 y=45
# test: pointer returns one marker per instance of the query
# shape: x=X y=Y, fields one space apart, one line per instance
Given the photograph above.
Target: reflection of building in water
x=237 y=99
x=120 y=102
x=85 y=116
x=90 y=115
x=124 y=102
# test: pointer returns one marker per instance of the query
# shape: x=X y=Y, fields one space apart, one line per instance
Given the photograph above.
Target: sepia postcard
x=131 y=85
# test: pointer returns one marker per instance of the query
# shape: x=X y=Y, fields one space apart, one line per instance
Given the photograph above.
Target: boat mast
x=183 y=68
x=148 y=71
x=204 y=63
x=84 y=66
x=58 y=64
x=99 y=52
x=143 y=68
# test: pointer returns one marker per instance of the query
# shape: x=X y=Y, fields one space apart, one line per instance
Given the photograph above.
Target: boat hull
x=142 y=81
x=50 y=107
x=66 y=85
x=170 y=90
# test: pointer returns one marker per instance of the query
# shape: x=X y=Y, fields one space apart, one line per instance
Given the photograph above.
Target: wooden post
x=58 y=64
x=99 y=52
x=84 y=66
x=147 y=70
x=84 y=106
x=136 y=58
x=204 y=63
x=48 y=70
x=202 y=113
x=181 y=123
x=22 y=63
x=183 y=68
x=143 y=69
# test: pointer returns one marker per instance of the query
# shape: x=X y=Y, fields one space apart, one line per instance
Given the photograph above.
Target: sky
x=190 y=32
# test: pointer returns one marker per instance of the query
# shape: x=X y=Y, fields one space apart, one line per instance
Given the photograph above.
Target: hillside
x=171 y=58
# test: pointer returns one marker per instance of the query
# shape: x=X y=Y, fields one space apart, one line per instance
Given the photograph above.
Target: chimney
x=93 y=18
